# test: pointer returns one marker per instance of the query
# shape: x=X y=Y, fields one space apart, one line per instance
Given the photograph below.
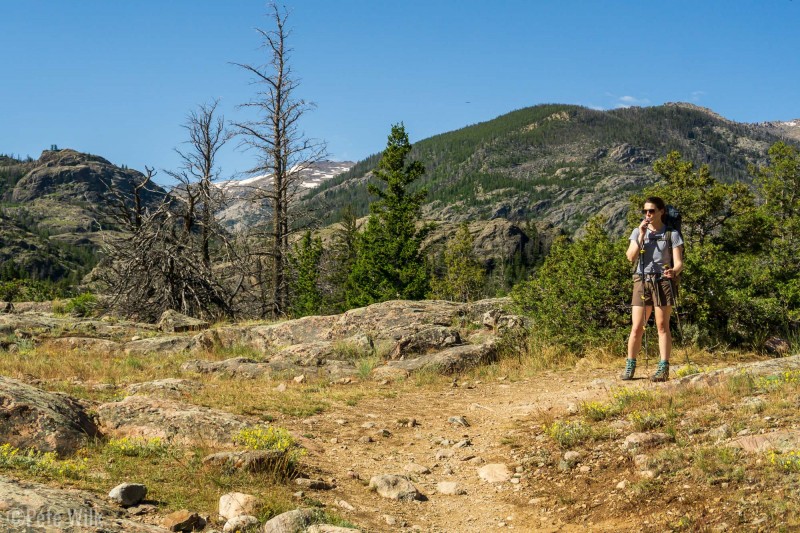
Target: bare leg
x=639 y=317
x=664 y=334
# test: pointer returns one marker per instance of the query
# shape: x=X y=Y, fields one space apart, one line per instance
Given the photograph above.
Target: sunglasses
x=648 y=211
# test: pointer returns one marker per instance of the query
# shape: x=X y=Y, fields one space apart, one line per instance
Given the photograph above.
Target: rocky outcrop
x=76 y=176
x=448 y=361
x=173 y=421
x=83 y=344
x=46 y=421
x=172 y=321
x=248 y=460
x=758 y=368
x=412 y=334
x=33 y=507
x=163 y=345
x=164 y=388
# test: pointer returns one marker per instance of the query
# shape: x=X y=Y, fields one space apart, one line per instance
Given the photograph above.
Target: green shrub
x=41 y=463
x=270 y=438
x=82 y=305
x=136 y=447
x=568 y=434
x=582 y=291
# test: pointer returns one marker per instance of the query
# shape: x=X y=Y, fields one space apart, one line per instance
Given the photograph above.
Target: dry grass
x=723 y=481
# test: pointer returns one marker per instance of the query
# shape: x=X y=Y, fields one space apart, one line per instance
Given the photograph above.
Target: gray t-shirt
x=656 y=253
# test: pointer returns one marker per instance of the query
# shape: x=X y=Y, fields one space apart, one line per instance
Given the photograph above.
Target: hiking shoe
x=630 y=369
x=662 y=372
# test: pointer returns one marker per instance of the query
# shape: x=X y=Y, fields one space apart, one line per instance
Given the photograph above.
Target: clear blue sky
x=117 y=77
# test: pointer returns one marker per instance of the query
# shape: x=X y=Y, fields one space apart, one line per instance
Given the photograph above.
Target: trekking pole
x=644 y=303
x=678 y=318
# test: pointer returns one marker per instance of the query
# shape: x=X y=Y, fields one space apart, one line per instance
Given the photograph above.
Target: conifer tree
x=464 y=276
x=342 y=256
x=389 y=264
x=305 y=261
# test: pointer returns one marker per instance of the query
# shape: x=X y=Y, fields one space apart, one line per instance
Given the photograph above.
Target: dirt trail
x=499 y=413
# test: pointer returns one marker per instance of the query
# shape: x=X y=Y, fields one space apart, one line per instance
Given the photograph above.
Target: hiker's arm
x=677 y=263
x=633 y=251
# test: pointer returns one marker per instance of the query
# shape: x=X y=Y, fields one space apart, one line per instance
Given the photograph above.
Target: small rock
x=572 y=456
x=341 y=421
x=390 y=520
x=477 y=460
x=721 y=432
x=234 y=504
x=635 y=441
x=494 y=473
x=777 y=346
x=444 y=453
x=622 y=485
x=128 y=494
x=281 y=387
x=462 y=443
x=384 y=433
x=300 y=379
x=572 y=408
x=640 y=461
x=395 y=488
x=647 y=474
x=183 y=521
x=314 y=484
x=450 y=488
x=459 y=420
x=415 y=468
x=240 y=523
x=289 y=522
x=584 y=469
x=366 y=439
x=344 y=505
x=141 y=509
x=368 y=425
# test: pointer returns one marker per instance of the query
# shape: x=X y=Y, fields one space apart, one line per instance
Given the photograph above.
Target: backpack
x=672 y=220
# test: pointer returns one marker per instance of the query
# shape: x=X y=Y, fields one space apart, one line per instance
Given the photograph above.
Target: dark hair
x=656 y=201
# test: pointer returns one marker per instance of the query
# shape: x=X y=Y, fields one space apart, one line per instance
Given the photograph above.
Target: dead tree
x=283 y=151
x=172 y=254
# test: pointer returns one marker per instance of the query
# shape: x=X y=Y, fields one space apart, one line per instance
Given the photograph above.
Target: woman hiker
x=659 y=252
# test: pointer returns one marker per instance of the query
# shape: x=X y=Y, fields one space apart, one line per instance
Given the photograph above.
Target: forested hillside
x=560 y=164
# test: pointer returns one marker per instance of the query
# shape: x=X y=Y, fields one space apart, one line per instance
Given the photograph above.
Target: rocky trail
x=460 y=445
x=411 y=416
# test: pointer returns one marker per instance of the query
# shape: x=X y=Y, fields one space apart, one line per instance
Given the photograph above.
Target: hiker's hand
x=669 y=273
x=643 y=230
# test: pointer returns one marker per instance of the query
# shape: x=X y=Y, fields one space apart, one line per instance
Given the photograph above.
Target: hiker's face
x=652 y=213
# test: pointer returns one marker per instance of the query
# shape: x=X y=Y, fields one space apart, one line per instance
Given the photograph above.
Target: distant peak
x=69 y=157
x=695 y=107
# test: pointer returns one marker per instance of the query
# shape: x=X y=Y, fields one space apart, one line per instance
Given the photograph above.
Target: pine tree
x=305 y=260
x=389 y=264
x=342 y=256
x=464 y=276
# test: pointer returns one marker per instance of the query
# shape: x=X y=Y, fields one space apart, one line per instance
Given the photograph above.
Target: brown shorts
x=658 y=292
